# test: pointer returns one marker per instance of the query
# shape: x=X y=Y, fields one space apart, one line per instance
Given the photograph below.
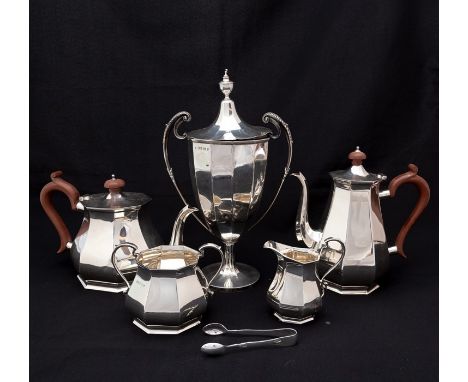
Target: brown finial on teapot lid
x=357 y=156
x=114 y=185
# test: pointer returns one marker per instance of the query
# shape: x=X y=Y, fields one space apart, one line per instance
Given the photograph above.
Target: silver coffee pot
x=297 y=290
x=354 y=217
x=109 y=219
x=228 y=161
x=169 y=293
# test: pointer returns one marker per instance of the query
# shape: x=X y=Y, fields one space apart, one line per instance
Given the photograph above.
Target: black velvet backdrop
x=106 y=75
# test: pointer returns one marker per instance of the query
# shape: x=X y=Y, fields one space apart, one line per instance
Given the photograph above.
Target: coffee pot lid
x=114 y=199
x=228 y=126
x=357 y=173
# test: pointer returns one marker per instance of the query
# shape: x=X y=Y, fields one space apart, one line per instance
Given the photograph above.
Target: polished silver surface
x=109 y=220
x=297 y=290
x=228 y=162
x=113 y=201
x=349 y=289
x=354 y=217
x=169 y=292
x=166 y=329
x=283 y=337
x=100 y=233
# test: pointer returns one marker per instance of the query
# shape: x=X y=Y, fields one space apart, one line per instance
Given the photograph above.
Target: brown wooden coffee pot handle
x=58 y=184
x=410 y=176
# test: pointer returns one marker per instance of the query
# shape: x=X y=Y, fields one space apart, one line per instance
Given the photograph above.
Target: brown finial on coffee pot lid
x=357 y=173
x=357 y=156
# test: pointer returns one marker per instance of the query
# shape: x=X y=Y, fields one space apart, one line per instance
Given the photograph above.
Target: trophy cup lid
x=228 y=125
x=357 y=173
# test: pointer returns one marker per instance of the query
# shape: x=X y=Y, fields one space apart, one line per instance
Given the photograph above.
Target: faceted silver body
x=228 y=183
x=228 y=161
x=296 y=291
x=98 y=235
x=355 y=218
x=166 y=298
x=169 y=292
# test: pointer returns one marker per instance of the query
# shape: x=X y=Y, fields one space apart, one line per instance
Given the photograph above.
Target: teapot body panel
x=166 y=298
x=98 y=235
x=296 y=291
x=355 y=218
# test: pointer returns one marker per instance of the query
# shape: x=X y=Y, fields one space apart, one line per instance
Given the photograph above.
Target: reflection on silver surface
x=354 y=217
x=296 y=291
x=281 y=337
x=109 y=219
x=100 y=232
x=169 y=292
x=228 y=161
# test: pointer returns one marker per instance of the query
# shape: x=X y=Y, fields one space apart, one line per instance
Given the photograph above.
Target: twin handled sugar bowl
x=228 y=161
x=169 y=293
x=109 y=219
x=354 y=216
x=297 y=290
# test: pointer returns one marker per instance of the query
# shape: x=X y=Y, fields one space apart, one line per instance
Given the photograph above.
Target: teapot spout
x=177 y=230
x=304 y=231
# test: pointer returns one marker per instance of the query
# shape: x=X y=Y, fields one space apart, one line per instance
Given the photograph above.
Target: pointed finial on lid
x=226 y=85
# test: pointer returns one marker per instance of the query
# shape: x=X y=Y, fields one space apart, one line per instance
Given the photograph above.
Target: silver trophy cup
x=228 y=162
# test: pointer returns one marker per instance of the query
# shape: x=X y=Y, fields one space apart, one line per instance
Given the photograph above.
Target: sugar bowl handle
x=58 y=184
x=342 y=251
x=276 y=121
x=206 y=288
x=114 y=260
x=411 y=176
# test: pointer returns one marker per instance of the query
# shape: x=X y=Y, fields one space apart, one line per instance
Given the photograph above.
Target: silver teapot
x=169 y=293
x=228 y=162
x=354 y=217
x=297 y=290
x=109 y=219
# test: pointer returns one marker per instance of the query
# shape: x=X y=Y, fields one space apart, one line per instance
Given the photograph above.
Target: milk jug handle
x=278 y=123
x=411 y=176
x=206 y=288
x=174 y=124
x=59 y=184
x=342 y=251
x=114 y=260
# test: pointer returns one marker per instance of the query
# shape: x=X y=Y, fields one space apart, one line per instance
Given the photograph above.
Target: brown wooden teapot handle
x=58 y=184
x=410 y=176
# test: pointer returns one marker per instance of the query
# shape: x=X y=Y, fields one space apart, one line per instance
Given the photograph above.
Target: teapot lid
x=228 y=126
x=115 y=199
x=357 y=173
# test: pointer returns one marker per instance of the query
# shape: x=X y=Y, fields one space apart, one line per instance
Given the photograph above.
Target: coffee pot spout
x=177 y=230
x=304 y=231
